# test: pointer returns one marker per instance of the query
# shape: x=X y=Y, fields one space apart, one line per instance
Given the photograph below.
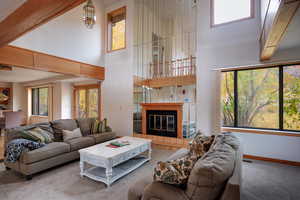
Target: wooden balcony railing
x=179 y=67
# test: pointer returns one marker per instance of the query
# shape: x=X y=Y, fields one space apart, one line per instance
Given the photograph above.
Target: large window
x=87 y=101
x=267 y=98
x=225 y=11
x=40 y=101
x=116 y=29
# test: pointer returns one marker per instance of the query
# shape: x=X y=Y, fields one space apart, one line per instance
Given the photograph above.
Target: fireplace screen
x=162 y=123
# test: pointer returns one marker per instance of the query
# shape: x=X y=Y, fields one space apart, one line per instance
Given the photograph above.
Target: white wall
x=66 y=100
x=19 y=97
x=218 y=47
x=66 y=36
x=117 y=89
x=231 y=45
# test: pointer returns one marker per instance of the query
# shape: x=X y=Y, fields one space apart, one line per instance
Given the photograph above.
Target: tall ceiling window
x=116 y=30
x=226 y=11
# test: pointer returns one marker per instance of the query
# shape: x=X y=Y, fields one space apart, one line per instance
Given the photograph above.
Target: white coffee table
x=109 y=164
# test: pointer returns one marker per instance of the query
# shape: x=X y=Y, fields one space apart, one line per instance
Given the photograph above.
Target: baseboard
x=274 y=160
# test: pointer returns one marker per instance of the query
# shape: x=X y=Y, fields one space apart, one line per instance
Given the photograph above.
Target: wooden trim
x=275 y=25
x=259 y=66
x=76 y=88
x=19 y=57
x=108 y=27
x=166 y=81
x=31 y=15
x=163 y=106
x=274 y=160
x=212 y=15
x=165 y=142
x=261 y=131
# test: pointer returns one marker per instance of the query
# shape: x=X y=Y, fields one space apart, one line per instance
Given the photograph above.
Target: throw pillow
x=200 y=145
x=174 y=172
x=45 y=136
x=69 y=135
x=29 y=136
x=95 y=127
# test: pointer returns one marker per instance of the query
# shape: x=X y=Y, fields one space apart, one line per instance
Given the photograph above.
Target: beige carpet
x=261 y=181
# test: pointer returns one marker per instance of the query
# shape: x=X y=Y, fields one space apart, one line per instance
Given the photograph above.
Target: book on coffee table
x=117 y=144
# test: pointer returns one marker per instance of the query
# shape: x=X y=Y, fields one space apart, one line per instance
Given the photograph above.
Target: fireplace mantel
x=164 y=107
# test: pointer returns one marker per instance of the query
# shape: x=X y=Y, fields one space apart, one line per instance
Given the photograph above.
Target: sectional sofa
x=57 y=152
x=216 y=176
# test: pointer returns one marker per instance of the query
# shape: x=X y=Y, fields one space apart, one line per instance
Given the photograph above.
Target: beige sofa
x=58 y=152
x=217 y=175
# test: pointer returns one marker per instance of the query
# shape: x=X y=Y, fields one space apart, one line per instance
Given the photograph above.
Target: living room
x=159 y=72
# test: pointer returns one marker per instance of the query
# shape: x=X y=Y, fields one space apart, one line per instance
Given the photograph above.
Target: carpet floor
x=261 y=181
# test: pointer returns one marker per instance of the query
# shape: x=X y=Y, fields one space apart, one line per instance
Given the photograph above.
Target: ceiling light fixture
x=89 y=17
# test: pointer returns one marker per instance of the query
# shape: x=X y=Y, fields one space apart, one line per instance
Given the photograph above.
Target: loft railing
x=178 y=67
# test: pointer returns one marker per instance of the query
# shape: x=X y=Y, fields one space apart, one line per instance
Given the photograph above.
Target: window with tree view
x=117 y=29
x=267 y=98
x=87 y=103
x=40 y=101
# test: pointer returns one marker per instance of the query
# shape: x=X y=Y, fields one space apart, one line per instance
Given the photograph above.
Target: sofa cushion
x=48 y=151
x=69 y=135
x=62 y=124
x=103 y=137
x=211 y=172
x=79 y=143
x=85 y=125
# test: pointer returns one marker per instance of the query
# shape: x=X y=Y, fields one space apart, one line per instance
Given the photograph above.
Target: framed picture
x=4 y=95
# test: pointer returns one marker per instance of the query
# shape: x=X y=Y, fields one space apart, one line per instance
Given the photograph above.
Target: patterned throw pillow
x=95 y=127
x=29 y=136
x=174 y=172
x=200 y=145
x=43 y=136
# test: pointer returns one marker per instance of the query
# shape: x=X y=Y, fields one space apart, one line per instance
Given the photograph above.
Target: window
x=40 y=101
x=267 y=98
x=116 y=29
x=225 y=11
x=86 y=101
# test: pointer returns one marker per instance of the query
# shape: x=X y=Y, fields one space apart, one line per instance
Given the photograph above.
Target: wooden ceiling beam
x=278 y=17
x=32 y=14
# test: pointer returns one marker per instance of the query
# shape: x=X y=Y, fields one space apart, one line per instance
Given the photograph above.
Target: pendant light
x=89 y=17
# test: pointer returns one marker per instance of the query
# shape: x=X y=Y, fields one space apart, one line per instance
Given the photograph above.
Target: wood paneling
x=163 y=106
x=274 y=160
x=92 y=71
x=166 y=81
x=16 y=57
x=165 y=142
x=278 y=17
x=260 y=131
x=31 y=15
x=19 y=57
x=54 y=64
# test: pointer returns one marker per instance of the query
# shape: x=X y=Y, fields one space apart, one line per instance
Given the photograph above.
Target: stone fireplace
x=162 y=119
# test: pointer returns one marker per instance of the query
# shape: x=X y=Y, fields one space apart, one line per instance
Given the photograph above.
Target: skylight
x=225 y=11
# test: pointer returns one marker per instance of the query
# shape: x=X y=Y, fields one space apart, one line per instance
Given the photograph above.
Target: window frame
x=212 y=15
x=76 y=90
x=116 y=12
x=280 y=101
x=38 y=102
